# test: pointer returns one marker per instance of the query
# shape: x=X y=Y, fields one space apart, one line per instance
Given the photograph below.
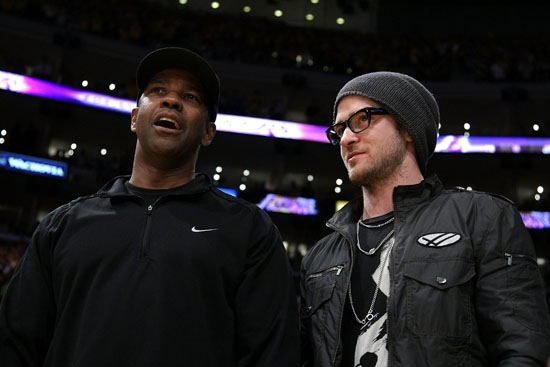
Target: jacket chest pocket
x=439 y=298
x=319 y=288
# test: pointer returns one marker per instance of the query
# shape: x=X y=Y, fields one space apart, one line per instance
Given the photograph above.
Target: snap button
x=441 y=280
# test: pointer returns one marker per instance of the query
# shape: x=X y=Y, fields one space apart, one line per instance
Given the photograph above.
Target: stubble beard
x=382 y=168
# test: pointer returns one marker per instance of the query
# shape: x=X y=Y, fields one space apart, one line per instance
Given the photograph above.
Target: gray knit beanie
x=408 y=101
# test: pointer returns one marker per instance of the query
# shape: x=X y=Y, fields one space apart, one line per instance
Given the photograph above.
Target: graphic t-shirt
x=366 y=345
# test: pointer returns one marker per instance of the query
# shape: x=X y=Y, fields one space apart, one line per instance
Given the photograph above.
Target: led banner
x=265 y=127
x=290 y=205
x=33 y=165
x=40 y=88
x=538 y=220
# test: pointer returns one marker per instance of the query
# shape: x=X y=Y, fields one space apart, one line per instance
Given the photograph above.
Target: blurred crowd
x=253 y=40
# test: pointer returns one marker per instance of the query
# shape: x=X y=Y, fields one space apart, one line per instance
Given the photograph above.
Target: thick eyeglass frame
x=334 y=137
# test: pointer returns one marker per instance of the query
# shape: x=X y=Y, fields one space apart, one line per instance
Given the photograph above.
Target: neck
x=378 y=197
x=148 y=175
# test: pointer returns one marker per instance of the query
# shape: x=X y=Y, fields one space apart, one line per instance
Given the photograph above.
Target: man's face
x=376 y=154
x=171 y=120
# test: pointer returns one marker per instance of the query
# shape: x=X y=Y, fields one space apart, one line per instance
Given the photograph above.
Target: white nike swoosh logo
x=196 y=230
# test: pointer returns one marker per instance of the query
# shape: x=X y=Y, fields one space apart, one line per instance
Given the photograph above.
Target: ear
x=133 y=119
x=209 y=133
x=406 y=136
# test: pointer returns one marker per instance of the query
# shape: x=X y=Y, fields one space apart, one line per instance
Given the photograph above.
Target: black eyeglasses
x=359 y=121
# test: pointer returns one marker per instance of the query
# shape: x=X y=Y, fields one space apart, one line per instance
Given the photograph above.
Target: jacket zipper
x=521 y=256
x=390 y=297
x=148 y=214
x=337 y=268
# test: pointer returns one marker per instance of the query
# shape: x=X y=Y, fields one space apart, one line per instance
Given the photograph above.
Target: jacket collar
x=115 y=187
x=403 y=197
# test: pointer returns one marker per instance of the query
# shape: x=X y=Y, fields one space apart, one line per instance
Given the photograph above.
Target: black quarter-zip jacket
x=198 y=278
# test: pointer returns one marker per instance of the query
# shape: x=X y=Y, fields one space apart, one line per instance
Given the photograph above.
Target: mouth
x=167 y=123
x=351 y=155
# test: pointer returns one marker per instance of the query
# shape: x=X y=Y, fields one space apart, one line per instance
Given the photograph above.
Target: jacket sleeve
x=27 y=312
x=510 y=304
x=266 y=306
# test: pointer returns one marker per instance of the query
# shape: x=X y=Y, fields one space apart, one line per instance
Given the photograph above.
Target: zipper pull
x=509 y=256
x=339 y=270
x=149 y=209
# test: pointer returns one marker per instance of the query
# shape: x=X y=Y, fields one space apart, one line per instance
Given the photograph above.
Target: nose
x=172 y=100
x=348 y=137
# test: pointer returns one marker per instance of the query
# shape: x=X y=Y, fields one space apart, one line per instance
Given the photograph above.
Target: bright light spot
x=3 y=132
x=467 y=126
x=278 y=13
x=310 y=178
x=112 y=86
x=219 y=169
x=2 y=140
x=339 y=181
x=536 y=127
x=340 y=21
x=537 y=197
x=439 y=127
x=84 y=83
x=540 y=189
x=310 y=62
x=103 y=151
x=315 y=1
x=70 y=152
x=310 y=17
x=216 y=177
x=302 y=249
x=469 y=188
x=73 y=146
x=337 y=189
x=242 y=187
x=285 y=244
x=215 y=5
x=247 y=9
x=246 y=172
x=299 y=58
x=466 y=133
x=183 y=2
x=541 y=261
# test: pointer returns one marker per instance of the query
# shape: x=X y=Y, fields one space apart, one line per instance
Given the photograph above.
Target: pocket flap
x=441 y=274
x=319 y=289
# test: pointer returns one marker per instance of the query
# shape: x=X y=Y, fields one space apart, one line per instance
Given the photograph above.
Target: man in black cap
x=160 y=268
x=415 y=275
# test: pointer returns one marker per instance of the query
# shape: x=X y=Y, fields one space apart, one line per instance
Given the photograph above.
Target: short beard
x=382 y=169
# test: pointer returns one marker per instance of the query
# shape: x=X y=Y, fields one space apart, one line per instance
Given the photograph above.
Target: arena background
x=486 y=61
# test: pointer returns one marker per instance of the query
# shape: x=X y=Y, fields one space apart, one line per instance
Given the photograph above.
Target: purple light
x=536 y=220
x=40 y=88
x=264 y=127
x=492 y=144
x=290 y=205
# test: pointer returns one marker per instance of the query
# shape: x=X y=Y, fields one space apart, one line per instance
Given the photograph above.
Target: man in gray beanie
x=415 y=275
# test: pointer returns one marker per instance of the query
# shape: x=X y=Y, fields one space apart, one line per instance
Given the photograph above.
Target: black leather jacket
x=465 y=285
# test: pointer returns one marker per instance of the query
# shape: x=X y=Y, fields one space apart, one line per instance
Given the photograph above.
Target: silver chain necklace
x=370 y=316
x=373 y=250
x=377 y=225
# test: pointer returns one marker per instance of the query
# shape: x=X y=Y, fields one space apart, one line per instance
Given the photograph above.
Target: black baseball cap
x=184 y=59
